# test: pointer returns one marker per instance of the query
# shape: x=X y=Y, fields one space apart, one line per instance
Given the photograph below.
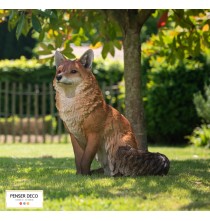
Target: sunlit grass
x=52 y=169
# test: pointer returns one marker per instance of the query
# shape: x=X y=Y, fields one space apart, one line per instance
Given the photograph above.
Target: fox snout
x=58 y=77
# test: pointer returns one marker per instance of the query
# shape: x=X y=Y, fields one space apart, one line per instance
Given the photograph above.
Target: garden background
x=175 y=64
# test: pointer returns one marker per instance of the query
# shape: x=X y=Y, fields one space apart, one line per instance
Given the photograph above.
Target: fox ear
x=87 y=58
x=59 y=58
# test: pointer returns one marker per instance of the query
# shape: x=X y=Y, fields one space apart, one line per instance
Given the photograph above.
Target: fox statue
x=97 y=129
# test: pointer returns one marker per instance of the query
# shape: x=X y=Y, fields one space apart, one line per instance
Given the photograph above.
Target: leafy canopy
x=182 y=33
x=60 y=28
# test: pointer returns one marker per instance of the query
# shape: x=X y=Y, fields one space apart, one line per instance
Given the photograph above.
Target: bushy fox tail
x=132 y=162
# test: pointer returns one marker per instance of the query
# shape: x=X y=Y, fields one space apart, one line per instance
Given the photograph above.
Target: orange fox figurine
x=97 y=129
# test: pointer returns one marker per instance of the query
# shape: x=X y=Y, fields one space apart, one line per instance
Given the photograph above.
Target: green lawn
x=51 y=168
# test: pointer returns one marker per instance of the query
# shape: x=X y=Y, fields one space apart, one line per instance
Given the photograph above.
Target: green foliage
x=58 y=28
x=171 y=78
x=25 y=71
x=20 y=26
x=202 y=104
x=21 y=64
x=186 y=34
x=170 y=111
x=200 y=136
x=149 y=28
x=36 y=23
x=109 y=72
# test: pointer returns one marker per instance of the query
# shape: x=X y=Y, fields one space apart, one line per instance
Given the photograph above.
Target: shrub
x=170 y=111
x=200 y=136
x=202 y=104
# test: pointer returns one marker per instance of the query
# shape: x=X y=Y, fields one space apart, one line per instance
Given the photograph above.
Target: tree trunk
x=134 y=108
x=131 y=22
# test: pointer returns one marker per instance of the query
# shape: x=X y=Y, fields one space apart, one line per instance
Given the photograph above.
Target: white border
x=105 y=4
x=104 y=216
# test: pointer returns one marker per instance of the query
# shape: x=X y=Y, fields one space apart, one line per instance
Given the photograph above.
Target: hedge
x=31 y=71
x=170 y=111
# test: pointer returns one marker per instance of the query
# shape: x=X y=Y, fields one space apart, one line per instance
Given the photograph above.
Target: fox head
x=72 y=72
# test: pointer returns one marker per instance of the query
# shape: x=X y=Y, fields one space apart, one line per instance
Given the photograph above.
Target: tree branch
x=127 y=18
x=143 y=15
x=118 y=15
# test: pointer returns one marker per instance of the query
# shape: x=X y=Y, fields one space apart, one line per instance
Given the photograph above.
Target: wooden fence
x=28 y=113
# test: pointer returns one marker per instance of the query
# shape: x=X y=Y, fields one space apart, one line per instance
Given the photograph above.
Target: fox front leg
x=78 y=152
x=89 y=154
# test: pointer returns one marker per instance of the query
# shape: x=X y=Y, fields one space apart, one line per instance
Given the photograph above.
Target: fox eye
x=73 y=71
x=59 y=71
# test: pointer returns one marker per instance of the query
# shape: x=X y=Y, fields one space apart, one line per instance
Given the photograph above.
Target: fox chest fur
x=75 y=106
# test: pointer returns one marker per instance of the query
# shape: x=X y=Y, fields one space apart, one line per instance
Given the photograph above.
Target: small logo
x=24 y=199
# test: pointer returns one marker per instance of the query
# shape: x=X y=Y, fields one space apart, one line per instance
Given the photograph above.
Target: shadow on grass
x=56 y=176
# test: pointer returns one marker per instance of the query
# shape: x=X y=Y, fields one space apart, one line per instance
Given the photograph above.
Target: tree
x=110 y=29
x=131 y=22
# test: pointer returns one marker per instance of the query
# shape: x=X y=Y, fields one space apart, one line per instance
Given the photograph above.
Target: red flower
x=162 y=20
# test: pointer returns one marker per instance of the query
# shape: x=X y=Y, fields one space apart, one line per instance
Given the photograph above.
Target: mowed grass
x=51 y=168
